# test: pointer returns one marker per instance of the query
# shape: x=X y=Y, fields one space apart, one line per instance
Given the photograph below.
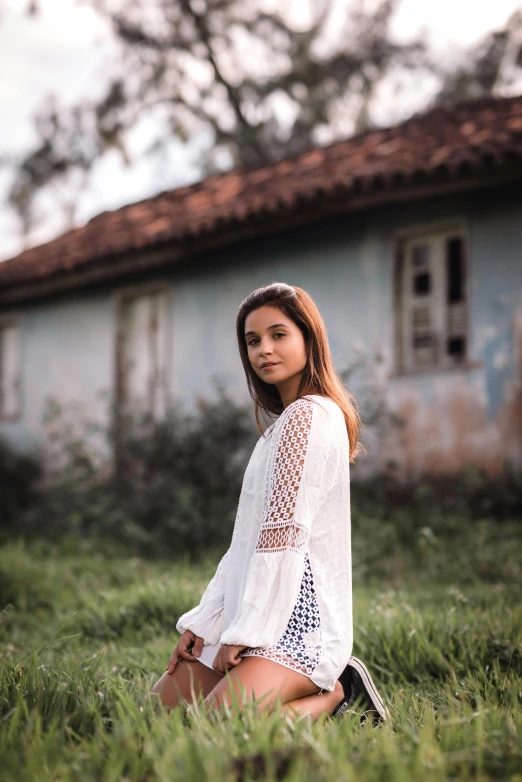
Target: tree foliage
x=258 y=81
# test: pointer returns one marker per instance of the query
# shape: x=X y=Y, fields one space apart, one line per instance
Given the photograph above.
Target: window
x=431 y=316
x=142 y=353
x=9 y=370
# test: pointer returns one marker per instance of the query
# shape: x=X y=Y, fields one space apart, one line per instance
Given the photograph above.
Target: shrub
x=166 y=486
x=19 y=479
x=172 y=487
x=180 y=478
x=471 y=494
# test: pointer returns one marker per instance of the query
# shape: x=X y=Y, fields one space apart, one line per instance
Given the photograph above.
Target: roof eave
x=361 y=197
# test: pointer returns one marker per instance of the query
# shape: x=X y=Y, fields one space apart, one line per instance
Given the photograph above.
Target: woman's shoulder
x=323 y=419
x=309 y=406
x=326 y=404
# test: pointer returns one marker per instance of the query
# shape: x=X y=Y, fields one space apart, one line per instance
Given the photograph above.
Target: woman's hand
x=227 y=657
x=188 y=647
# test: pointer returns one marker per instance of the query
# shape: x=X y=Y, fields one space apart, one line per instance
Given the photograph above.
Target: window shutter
x=431 y=307
x=143 y=354
x=10 y=371
x=456 y=301
x=421 y=293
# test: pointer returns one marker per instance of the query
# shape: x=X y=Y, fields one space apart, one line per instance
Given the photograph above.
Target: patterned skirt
x=299 y=648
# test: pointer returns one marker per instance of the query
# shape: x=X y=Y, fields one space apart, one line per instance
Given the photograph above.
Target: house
x=409 y=239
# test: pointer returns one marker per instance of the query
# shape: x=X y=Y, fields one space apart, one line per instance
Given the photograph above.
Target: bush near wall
x=471 y=493
x=172 y=486
x=162 y=486
x=19 y=477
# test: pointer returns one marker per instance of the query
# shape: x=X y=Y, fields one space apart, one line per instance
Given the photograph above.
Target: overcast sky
x=66 y=51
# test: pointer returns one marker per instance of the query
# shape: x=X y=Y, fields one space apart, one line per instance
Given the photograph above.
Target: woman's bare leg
x=186 y=682
x=315 y=705
x=264 y=680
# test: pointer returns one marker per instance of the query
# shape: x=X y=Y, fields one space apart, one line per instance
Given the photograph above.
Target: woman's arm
x=293 y=491
x=206 y=618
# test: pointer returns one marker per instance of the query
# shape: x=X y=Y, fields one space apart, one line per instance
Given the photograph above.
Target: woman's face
x=273 y=337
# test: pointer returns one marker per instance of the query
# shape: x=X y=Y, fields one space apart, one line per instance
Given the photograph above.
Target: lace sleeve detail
x=291 y=494
x=280 y=530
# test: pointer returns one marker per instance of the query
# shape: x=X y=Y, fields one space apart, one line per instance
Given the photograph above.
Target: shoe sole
x=344 y=705
x=364 y=673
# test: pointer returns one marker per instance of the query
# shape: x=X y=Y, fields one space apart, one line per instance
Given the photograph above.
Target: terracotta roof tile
x=440 y=140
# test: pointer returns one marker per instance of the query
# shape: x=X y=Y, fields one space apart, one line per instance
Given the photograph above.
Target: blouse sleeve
x=206 y=618
x=292 y=494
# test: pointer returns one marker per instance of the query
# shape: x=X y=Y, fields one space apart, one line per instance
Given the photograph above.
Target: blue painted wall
x=450 y=417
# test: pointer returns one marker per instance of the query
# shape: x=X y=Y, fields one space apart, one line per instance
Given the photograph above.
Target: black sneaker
x=360 y=690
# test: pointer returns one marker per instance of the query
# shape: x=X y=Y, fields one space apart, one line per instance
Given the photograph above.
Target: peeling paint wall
x=473 y=415
x=449 y=417
x=142 y=357
x=67 y=355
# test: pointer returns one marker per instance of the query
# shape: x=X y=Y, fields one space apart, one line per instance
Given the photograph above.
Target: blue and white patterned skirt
x=299 y=648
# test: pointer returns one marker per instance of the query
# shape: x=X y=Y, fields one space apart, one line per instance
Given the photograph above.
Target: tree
x=31 y=7
x=492 y=67
x=265 y=84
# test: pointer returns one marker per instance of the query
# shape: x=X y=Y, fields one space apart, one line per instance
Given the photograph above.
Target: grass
x=86 y=631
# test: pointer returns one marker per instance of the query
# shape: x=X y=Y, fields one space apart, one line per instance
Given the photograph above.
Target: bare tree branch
x=263 y=88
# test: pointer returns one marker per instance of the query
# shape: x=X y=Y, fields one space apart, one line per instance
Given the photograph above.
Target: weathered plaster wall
x=449 y=417
x=67 y=352
x=474 y=415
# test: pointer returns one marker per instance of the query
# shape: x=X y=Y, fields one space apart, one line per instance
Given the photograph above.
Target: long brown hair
x=319 y=377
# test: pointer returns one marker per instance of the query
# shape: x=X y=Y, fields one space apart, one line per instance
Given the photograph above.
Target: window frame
x=433 y=230
x=7 y=320
x=121 y=298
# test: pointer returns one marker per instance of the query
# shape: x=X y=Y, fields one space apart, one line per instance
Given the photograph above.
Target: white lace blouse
x=284 y=587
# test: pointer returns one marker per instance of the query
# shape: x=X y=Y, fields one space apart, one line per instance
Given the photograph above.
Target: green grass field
x=86 y=631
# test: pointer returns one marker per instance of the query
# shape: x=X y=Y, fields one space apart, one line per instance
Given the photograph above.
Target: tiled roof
x=442 y=141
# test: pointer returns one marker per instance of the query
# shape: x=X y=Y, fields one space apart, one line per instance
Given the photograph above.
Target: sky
x=67 y=50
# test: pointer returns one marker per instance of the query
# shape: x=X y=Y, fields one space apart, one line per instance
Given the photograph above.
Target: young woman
x=275 y=622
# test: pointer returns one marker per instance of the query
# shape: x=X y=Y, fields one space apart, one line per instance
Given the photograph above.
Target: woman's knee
x=185 y=683
x=171 y=688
